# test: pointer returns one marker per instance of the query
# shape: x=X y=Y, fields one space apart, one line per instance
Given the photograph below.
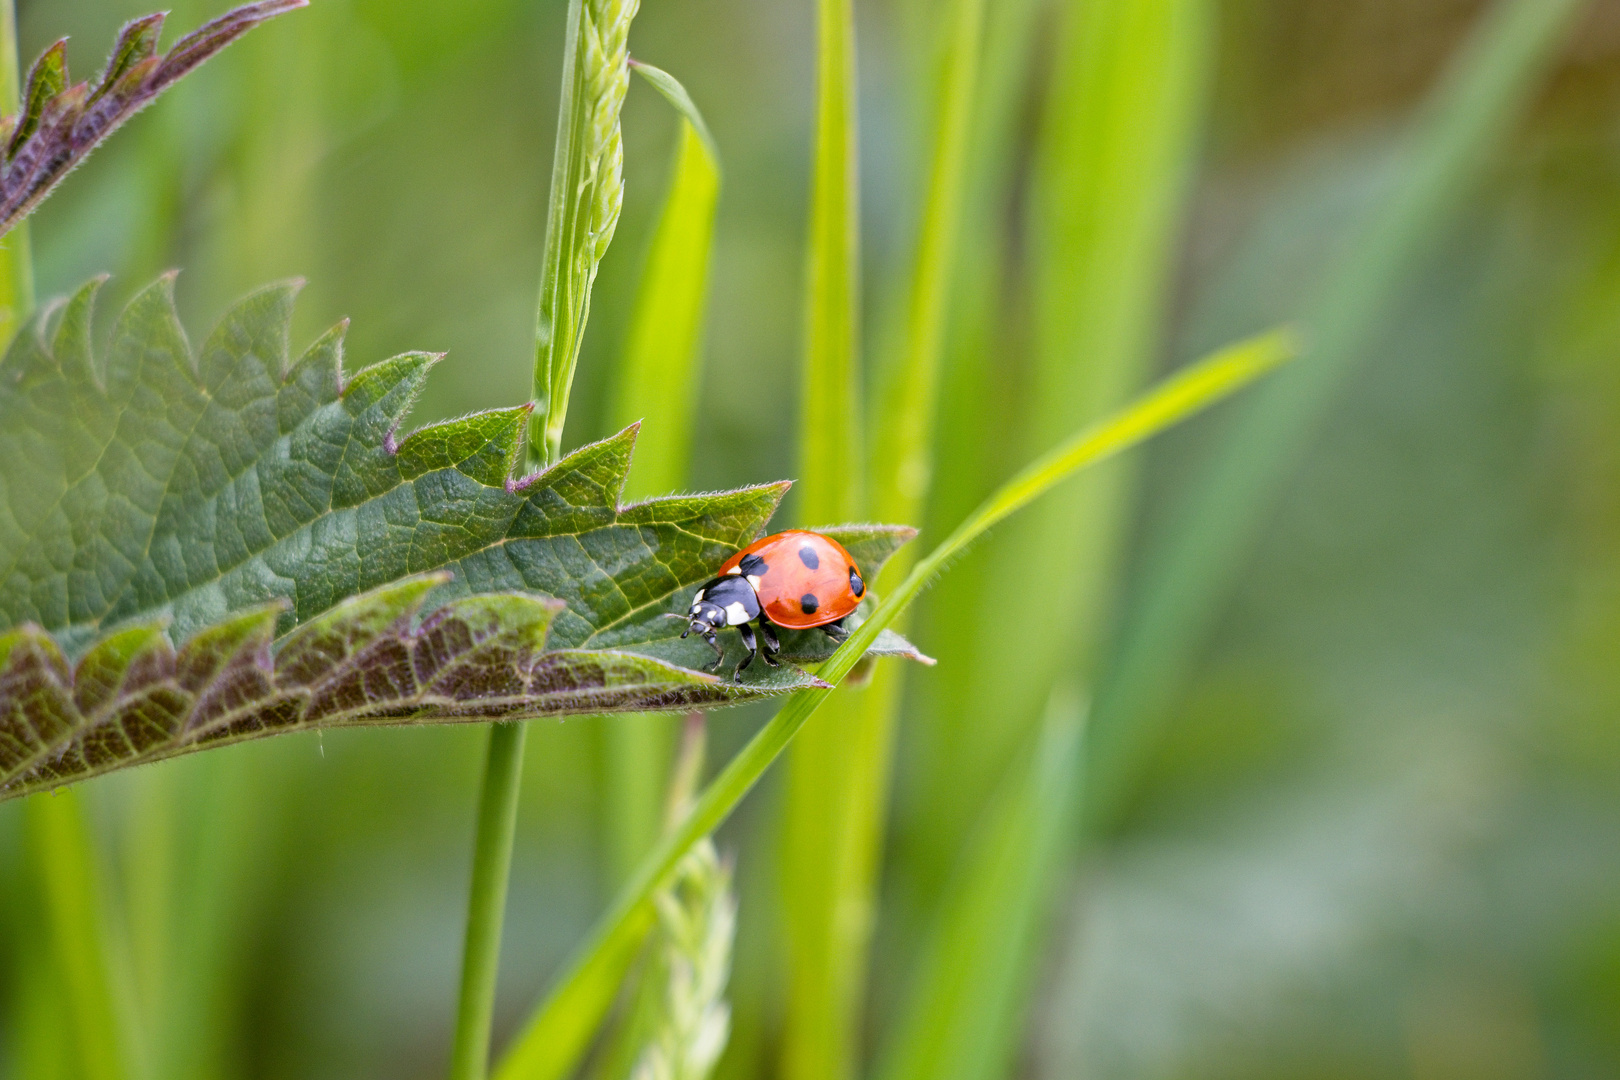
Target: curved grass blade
x=674 y=93
x=1121 y=123
x=839 y=771
x=963 y=1012
x=658 y=382
x=557 y=1035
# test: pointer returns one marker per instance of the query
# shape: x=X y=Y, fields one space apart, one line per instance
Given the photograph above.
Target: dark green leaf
x=209 y=546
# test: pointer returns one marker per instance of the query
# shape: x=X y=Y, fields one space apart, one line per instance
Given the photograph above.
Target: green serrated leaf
x=46 y=80
x=199 y=546
x=136 y=45
x=60 y=122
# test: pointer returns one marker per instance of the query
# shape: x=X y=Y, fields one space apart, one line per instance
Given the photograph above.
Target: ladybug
x=796 y=580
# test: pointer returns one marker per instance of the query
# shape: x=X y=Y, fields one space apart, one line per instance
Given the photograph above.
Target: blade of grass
x=660 y=373
x=839 y=783
x=658 y=382
x=830 y=479
x=64 y=863
x=16 y=254
x=986 y=356
x=1192 y=567
x=817 y=1039
x=1122 y=120
x=970 y=988
x=556 y=1035
x=902 y=444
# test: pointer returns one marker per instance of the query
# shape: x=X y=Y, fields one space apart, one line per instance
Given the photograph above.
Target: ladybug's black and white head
x=725 y=601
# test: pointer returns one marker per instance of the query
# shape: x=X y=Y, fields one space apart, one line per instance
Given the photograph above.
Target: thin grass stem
x=486 y=904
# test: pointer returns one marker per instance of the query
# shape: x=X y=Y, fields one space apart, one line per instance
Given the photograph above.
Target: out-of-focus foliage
x=61 y=121
x=1377 y=836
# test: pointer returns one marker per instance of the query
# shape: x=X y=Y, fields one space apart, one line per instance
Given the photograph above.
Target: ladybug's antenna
x=691 y=623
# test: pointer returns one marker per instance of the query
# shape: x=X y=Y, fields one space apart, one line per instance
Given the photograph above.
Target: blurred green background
x=1379 y=835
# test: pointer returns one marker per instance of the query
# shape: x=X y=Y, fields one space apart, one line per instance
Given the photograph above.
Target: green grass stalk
x=16 y=254
x=1122 y=121
x=1191 y=568
x=587 y=193
x=830 y=486
x=964 y=1013
x=839 y=790
x=486 y=910
x=64 y=863
x=976 y=446
x=560 y=1030
x=658 y=383
x=821 y=932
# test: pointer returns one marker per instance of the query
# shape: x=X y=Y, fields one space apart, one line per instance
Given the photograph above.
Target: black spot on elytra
x=752 y=566
x=808 y=603
x=808 y=556
x=856 y=585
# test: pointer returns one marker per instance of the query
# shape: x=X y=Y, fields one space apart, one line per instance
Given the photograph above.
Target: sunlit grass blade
x=64 y=864
x=1189 y=572
x=985 y=352
x=674 y=93
x=661 y=370
x=16 y=256
x=974 y=978
x=1122 y=121
x=817 y=1038
x=902 y=443
x=658 y=382
x=558 y=1032
x=830 y=467
x=838 y=792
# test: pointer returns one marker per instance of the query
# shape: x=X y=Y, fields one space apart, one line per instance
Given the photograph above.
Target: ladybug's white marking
x=736 y=614
x=754 y=580
x=736 y=570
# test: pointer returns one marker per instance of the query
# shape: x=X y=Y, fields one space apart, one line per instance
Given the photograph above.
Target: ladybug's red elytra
x=795 y=579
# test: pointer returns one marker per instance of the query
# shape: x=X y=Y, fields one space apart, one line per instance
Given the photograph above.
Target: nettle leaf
x=201 y=547
x=60 y=122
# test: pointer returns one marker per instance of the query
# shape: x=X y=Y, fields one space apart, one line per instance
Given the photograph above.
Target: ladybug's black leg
x=772 y=646
x=719 y=651
x=751 y=645
x=836 y=630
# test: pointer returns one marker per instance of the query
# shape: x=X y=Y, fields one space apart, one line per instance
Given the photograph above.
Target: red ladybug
x=795 y=579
